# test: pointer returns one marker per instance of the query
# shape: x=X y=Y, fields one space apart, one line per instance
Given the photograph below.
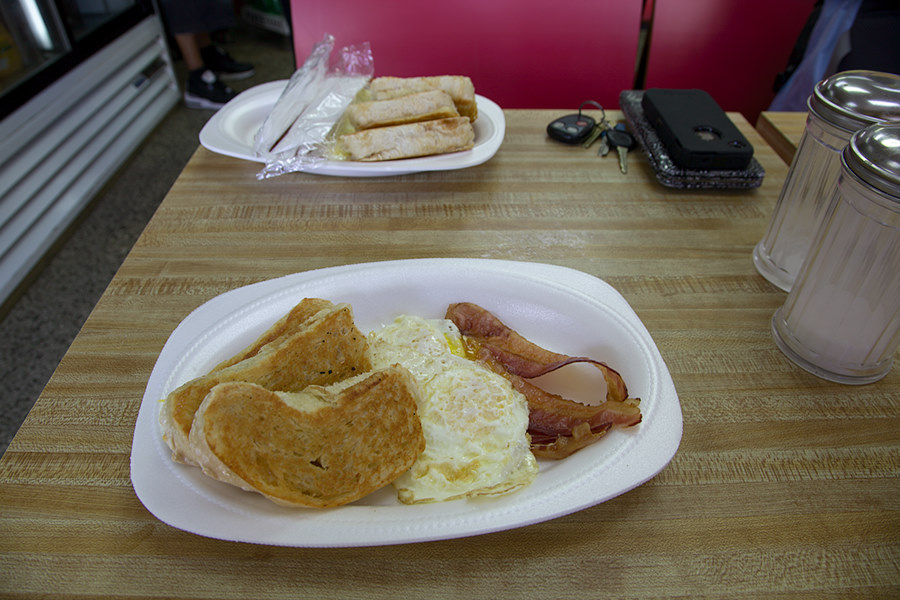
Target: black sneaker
x=221 y=63
x=204 y=90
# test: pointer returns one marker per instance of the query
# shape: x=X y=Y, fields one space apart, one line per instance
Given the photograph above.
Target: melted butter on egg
x=474 y=422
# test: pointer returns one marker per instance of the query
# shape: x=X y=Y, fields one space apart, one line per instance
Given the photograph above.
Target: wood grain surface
x=782 y=131
x=784 y=486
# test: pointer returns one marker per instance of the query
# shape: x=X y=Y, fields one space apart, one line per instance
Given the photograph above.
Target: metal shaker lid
x=873 y=155
x=852 y=100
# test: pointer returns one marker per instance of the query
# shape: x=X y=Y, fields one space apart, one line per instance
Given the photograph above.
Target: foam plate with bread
x=554 y=306
x=231 y=130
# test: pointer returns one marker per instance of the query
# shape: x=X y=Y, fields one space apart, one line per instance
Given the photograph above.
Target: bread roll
x=322 y=447
x=407 y=141
x=459 y=87
x=422 y=106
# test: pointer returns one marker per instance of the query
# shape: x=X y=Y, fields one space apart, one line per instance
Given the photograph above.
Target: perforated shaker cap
x=873 y=155
x=852 y=100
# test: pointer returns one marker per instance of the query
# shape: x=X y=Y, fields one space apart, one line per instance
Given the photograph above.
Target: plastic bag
x=294 y=135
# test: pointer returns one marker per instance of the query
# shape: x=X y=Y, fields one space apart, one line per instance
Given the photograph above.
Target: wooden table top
x=784 y=485
x=782 y=131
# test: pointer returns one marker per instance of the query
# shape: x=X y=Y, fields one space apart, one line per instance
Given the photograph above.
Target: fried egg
x=473 y=420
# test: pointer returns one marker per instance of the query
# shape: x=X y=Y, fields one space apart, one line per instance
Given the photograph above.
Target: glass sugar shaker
x=839 y=106
x=841 y=319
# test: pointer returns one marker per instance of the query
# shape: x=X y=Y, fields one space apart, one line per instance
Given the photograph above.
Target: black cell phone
x=696 y=132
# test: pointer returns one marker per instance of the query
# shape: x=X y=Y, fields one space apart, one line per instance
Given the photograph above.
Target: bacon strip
x=519 y=355
x=558 y=427
x=565 y=445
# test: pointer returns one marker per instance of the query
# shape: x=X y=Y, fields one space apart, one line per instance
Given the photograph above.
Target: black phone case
x=696 y=132
x=667 y=172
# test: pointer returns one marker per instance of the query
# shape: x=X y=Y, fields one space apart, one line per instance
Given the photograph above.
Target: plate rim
x=146 y=451
x=483 y=151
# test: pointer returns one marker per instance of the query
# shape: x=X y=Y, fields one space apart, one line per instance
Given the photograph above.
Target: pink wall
x=519 y=53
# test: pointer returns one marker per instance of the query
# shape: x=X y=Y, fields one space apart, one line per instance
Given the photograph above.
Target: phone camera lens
x=707 y=134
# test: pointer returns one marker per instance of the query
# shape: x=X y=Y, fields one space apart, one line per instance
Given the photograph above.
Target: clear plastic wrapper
x=294 y=137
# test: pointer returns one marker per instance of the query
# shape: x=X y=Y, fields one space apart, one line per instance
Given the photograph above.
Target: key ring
x=597 y=105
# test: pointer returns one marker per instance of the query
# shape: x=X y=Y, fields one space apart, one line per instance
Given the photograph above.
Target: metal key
x=598 y=130
x=605 y=146
x=603 y=150
x=595 y=133
x=622 y=141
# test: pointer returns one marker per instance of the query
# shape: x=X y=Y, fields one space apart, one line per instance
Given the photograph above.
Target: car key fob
x=571 y=129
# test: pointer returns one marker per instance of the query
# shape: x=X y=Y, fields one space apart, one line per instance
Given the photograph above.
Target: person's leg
x=190 y=50
x=203 y=89
x=189 y=23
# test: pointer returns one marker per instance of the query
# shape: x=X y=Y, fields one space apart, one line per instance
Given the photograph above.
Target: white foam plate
x=231 y=129
x=562 y=309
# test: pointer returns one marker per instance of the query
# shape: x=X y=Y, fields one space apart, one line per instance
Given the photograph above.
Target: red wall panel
x=731 y=48
x=521 y=54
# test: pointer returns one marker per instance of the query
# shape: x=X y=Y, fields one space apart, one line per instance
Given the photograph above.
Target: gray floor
x=41 y=325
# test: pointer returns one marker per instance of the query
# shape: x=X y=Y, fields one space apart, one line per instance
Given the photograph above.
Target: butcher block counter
x=783 y=485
